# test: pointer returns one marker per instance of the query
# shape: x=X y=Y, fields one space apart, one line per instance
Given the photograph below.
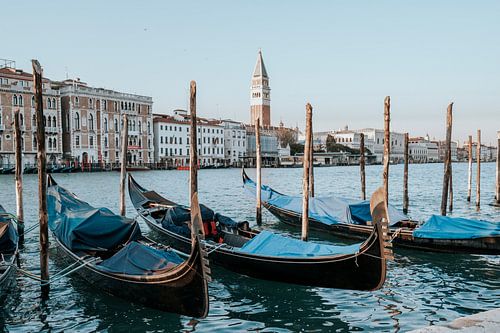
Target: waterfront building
x=92 y=124
x=269 y=146
x=488 y=153
x=442 y=150
x=260 y=94
x=235 y=142
x=422 y=150
x=17 y=93
x=374 y=140
x=171 y=136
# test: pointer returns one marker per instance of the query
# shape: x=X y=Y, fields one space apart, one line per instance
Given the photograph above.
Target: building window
x=77 y=121
x=77 y=101
x=116 y=142
x=77 y=141
x=54 y=122
x=14 y=100
x=91 y=140
x=91 y=121
x=105 y=125
x=149 y=127
x=161 y=139
x=116 y=125
x=106 y=142
x=33 y=101
x=54 y=105
x=91 y=103
x=20 y=100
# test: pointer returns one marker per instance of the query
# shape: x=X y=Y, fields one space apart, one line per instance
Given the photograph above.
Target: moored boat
x=8 y=250
x=113 y=255
x=265 y=255
x=352 y=219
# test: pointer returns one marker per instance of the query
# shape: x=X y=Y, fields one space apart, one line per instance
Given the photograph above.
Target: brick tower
x=260 y=94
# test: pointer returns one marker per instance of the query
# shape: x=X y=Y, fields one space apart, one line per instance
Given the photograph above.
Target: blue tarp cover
x=80 y=226
x=8 y=238
x=445 y=227
x=269 y=244
x=139 y=259
x=328 y=210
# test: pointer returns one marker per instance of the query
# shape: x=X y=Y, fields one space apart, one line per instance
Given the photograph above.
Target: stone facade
x=17 y=93
x=92 y=121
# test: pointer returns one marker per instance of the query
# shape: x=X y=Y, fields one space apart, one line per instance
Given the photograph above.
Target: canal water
x=421 y=288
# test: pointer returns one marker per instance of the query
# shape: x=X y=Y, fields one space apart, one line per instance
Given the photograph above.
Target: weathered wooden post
x=311 y=168
x=123 y=170
x=469 y=173
x=478 y=175
x=307 y=165
x=362 y=165
x=42 y=177
x=387 y=145
x=19 y=176
x=497 y=192
x=450 y=206
x=258 y=161
x=193 y=144
x=447 y=160
x=405 y=175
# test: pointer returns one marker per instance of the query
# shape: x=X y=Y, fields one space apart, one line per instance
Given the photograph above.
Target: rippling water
x=421 y=289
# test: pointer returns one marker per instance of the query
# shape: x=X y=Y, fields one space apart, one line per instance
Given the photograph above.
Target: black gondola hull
x=186 y=294
x=366 y=271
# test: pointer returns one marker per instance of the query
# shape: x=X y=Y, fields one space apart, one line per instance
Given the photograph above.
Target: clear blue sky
x=342 y=56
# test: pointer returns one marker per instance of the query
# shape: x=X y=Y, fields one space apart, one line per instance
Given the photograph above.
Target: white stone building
x=171 y=140
x=234 y=142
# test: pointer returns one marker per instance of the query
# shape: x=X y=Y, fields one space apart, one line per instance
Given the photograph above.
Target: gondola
x=8 y=250
x=112 y=254
x=237 y=247
x=439 y=233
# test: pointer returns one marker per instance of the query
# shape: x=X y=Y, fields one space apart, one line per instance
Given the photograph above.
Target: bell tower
x=260 y=94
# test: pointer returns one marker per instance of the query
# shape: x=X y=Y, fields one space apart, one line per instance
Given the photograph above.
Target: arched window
x=149 y=127
x=105 y=125
x=105 y=142
x=54 y=143
x=21 y=119
x=54 y=105
x=91 y=103
x=116 y=125
x=129 y=106
x=122 y=105
x=139 y=126
x=91 y=121
x=54 y=122
x=91 y=141
x=133 y=106
x=33 y=120
x=20 y=100
x=14 y=100
x=32 y=101
x=44 y=121
x=50 y=143
x=49 y=103
x=77 y=101
x=104 y=105
x=140 y=143
x=116 y=142
x=77 y=120
x=133 y=125
x=115 y=106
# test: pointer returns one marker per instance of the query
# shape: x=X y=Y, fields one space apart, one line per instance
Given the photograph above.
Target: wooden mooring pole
x=497 y=192
x=387 y=145
x=447 y=160
x=42 y=178
x=450 y=194
x=478 y=175
x=311 y=169
x=258 y=162
x=193 y=144
x=18 y=139
x=307 y=166
x=362 y=165
x=405 y=175
x=469 y=173
x=123 y=170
